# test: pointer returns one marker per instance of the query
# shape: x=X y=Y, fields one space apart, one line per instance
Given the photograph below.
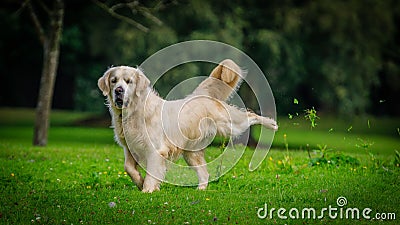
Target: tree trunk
x=51 y=52
x=42 y=121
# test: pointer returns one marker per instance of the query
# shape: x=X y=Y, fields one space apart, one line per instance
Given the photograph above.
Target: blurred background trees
x=342 y=57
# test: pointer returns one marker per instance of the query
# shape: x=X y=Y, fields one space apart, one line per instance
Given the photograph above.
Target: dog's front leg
x=132 y=170
x=195 y=159
x=155 y=171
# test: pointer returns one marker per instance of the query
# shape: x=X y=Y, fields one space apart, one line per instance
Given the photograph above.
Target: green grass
x=25 y=117
x=75 y=178
x=381 y=134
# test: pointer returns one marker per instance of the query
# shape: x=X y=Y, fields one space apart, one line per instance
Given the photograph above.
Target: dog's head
x=121 y=84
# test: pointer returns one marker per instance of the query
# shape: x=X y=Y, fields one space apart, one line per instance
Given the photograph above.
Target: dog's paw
x=202 y=187
x=150 y=189
x=270 y=123
x=274 y=127
x=150 y=185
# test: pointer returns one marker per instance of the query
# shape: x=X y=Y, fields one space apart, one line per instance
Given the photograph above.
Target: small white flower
x=112 y=204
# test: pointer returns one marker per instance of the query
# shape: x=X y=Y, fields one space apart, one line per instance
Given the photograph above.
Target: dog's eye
x=128 y=81
x=113 y=80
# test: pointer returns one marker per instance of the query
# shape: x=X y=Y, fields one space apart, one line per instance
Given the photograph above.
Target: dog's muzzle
x=119 y=97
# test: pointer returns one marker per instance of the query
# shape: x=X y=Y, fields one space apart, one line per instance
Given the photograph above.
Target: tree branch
x=23 y=6
x=56 y=19
x=117 y=6
x=111 y=11
x=38 y=26
x=148 y=15
x=44 y=7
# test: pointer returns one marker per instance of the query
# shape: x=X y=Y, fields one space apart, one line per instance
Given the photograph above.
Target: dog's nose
x=119 y=90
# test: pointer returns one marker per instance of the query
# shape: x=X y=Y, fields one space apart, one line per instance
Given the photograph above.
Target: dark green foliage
x=396 y=160
x=324 y=156
x=338 y=159
x=339 y=56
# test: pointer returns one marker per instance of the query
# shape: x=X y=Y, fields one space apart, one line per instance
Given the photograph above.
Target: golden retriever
x=161 y=130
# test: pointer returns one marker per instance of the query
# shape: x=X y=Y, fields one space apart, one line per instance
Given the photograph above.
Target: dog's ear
x=104 y=84
x=142 y=82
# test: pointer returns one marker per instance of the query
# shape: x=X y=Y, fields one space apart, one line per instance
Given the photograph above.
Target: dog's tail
x=223 y=81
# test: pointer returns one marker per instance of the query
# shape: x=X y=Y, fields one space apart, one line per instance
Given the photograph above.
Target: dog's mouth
x=119 y=102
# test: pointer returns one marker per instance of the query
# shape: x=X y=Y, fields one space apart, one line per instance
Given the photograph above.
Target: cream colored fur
x=161 y=130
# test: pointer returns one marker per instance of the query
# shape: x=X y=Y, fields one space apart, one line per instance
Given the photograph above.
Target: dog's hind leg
x=195 y=159
x=241 y=120
x=265 y=121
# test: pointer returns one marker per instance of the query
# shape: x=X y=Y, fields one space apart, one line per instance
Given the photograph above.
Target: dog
x=161 y=130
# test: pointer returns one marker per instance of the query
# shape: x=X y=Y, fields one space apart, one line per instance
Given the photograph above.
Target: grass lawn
x=79 y=179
